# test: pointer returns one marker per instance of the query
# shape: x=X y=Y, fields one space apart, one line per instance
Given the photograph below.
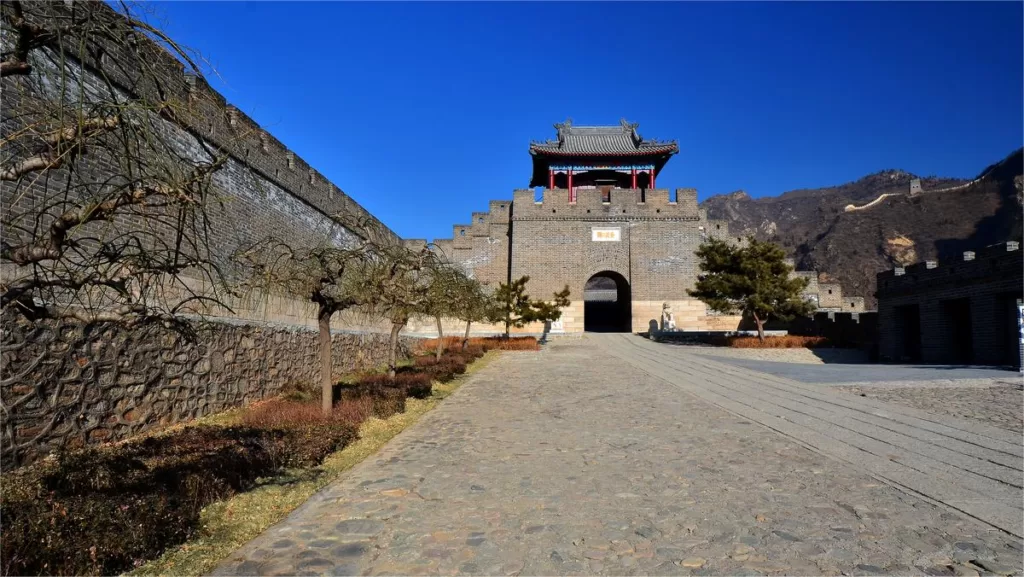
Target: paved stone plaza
x=614 y=455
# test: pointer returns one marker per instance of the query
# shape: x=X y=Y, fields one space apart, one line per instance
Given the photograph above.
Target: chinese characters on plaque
x=605 y=234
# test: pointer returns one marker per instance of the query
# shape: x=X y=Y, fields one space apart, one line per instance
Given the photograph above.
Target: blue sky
x=422 y=112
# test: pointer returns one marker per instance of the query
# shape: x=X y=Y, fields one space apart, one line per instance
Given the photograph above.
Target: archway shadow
x=607 y=304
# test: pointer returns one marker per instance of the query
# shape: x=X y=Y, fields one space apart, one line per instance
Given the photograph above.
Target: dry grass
x=280 y=413
x=227 y=525
x=785 y=342
x=487 y=343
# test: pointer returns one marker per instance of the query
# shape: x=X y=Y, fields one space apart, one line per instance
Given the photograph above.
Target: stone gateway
x=624 y=246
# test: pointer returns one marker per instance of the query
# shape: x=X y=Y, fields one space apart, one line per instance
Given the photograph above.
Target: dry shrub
x=414 y=383
x=391 y=402
x=311 y=435
x=450 y=343
x=301 y=391
x=485 y=344
x=103 y=510
x=384 y=400
x=354 y=410
x=425 y=361
x=784 y=342
x=513 y=344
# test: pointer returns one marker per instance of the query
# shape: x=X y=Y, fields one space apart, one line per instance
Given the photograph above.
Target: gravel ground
x=998 y=402
x=800 y=356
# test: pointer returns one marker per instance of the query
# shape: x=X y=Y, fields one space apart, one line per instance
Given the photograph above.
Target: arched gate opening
x=607 y=304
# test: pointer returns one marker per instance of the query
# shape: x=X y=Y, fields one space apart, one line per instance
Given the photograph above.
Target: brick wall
x=853 y=304
x=552 y=242
x=830 y=296
x=964 y=309
x=103 y=383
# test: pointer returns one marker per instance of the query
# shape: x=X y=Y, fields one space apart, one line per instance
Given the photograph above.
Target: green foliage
x=544 y=311
x=514 y=308
x=753 y=280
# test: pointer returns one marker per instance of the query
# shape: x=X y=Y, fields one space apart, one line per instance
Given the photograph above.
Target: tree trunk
x=396 y=327
x=465 y=339
x=440 y=339
x=760 y=328
x=508 y=324
x=326 y=388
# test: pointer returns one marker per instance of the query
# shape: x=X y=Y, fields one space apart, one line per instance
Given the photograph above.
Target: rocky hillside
x=832 y=231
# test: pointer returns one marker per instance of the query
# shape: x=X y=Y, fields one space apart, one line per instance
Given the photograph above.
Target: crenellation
x=686 y=198
x=958 y=310
x=853 y=305
x=446 y=247
x=657 y=198
x=978 y=262
x=918 y=268
x=212 y=118
x=461 y=235
x=500 y=211
x=523 y=197
x=830 y=295
x=718 y=229
x=622 y=203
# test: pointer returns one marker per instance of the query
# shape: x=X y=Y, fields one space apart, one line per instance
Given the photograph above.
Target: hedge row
x=772 y=342
x=415 y=380
x=485 y=343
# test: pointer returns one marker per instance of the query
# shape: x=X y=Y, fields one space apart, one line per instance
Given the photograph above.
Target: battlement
x=652 y=204
x=196 y=107
x=991 y=260
x=483 y=225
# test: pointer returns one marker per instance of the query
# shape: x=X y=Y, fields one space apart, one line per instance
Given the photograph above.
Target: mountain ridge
x=817 y=228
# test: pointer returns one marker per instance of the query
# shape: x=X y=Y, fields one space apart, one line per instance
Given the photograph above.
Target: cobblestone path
x=613 y=455
x=998 y=402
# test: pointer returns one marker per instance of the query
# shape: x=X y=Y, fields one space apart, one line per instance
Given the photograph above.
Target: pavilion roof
x=601 y=141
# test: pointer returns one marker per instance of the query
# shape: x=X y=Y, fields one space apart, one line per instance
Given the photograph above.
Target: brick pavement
x=576 y=460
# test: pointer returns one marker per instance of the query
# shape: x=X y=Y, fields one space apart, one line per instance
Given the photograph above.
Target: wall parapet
x=649 y=204
x=208 y=115
x=990 y=260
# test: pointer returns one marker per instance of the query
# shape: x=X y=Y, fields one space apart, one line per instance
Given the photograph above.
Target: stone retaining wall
x=63 y=384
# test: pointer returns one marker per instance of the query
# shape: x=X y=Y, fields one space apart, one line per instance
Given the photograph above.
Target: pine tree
x=514 y=308
x=751 y=280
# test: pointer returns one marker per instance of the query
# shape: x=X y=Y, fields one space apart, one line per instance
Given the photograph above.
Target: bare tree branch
x=104 y=204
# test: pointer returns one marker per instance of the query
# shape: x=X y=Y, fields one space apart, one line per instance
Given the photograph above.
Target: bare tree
x=104 y=203
x=327 y=275
x=397 y=284
x=473 y=304
x=444 y=295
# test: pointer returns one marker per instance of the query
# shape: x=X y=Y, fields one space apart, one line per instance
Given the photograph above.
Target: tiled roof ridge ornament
x=563 y=129
x=628 y=127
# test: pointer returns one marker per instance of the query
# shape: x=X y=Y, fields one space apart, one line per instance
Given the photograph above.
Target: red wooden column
x=652 y=179
x=572 y=196
x=551 y=179
x=634 y=178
